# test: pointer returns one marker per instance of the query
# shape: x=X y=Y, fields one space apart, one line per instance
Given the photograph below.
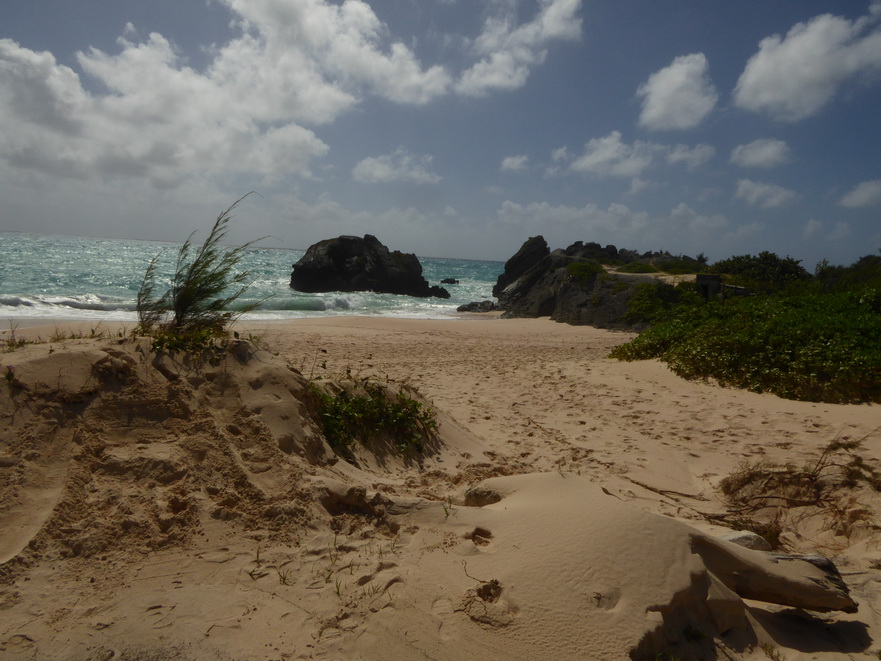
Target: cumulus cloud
x=560 y=154
x=253 y=109
x=691 y=157
x=514 y=163
x=329 y=42
x=508 y=51
x=762 y=153
x=611 y=156
x=161 y=120
x=812 y=227
x=763 y=195
x=400 y=165
x=679 y=96
x=638 y=185
x=618 y=224
x=866 y=194
x=793 y=77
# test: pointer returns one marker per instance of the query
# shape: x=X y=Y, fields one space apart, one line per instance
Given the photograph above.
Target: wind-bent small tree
x=204 y=286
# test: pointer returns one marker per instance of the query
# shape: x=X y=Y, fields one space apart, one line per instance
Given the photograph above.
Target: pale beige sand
x=157 y=519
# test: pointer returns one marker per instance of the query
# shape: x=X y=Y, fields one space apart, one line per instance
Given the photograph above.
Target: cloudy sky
x=449 y=127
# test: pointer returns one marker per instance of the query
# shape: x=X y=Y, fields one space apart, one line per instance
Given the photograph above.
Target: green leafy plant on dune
x=368 y=411
x=809 y=347
x=196 y=308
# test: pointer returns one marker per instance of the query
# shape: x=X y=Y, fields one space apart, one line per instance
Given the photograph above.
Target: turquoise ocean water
x=63 y=277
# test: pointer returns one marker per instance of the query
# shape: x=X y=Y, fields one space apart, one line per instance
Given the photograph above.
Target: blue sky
x=449 y=127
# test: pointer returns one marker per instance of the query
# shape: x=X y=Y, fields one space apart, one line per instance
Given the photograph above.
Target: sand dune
x=568 y=509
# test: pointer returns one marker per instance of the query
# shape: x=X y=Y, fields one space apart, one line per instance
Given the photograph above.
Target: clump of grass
x=14 y=342
x=367 y=411
x=197 y=306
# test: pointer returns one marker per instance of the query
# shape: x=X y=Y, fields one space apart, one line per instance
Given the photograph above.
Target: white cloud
x=679 y=96
x=560 y=154
x=682 y=229
x=866 y=194
x=397 y=166
x=638 y=185
x=253 y=108
x=812 y=227
x=763 y=195
x=691 y=157
x=609 y=156
x=322 y=42
x=508 y=52
x=514 y=163
x=617 y=224
x=161 y=120
x=763 y=153
x=793 y=77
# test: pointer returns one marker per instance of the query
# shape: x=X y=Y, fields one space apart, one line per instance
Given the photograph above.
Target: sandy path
x=546 y=395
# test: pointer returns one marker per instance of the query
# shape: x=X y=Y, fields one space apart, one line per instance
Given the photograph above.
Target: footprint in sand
x=480 y=536
x=442 y=609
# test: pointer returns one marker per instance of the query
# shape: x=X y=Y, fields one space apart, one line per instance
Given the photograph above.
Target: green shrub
x=766 y=273
x=810 y=347
x=637 y=267
x=653 y=301
x=369 y=411
x=683 y=267
x=584 y=272
x=203 y=288
x=865 y=273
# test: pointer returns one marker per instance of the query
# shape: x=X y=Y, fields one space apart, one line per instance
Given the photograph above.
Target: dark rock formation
x=570 y=285
x=350 y=263
x=477 y=306
x=449 y=281
x=530 y=253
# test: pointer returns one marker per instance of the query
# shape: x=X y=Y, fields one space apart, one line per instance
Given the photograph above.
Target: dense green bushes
x=765 y=273
x=865 y=273
x=795 y=335
x=813 y=347
x=653 y=301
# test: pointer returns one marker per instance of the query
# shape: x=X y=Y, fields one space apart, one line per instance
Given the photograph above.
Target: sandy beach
x=161 y=511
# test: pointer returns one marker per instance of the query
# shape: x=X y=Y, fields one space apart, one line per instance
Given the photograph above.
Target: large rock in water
x=350 y=263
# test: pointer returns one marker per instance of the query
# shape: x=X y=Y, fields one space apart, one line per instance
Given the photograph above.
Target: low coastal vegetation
x=369 y=412
x=786 y=332
x=197 y=307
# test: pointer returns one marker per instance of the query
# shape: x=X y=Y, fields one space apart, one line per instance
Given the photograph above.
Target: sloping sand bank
x=569 y=507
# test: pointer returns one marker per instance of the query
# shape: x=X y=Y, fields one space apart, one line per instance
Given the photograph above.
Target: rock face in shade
x=568 y=285
x=352 y=263
x=531 y=253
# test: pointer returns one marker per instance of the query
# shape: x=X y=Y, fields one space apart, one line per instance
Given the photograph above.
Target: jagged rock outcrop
x=531 y=252
x=568 y=285
x=352 y=263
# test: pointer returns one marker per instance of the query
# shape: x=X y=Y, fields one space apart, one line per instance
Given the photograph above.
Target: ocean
x=84 y=278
